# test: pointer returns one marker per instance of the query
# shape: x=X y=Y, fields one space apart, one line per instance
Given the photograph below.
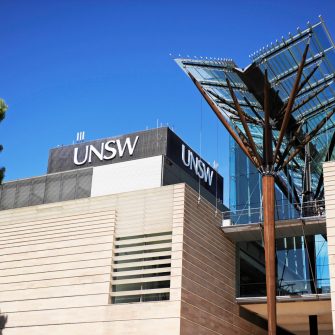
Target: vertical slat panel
x=208 y=274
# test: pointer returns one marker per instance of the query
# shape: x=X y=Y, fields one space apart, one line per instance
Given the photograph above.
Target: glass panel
x=293 y=267
x=141 y=298
x=246 y=192
x=322 y=264
x=141 y=286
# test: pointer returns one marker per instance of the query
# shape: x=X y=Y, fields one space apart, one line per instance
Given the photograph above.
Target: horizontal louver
x=141 y=268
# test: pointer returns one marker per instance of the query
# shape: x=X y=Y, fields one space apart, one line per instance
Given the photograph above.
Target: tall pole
x=268 y=188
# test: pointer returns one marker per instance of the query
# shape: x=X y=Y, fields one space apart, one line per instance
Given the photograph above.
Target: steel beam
x=288 y=147
x=244 y=123
x=292 y=186
x=267 y=139
x=315 y=85
x=310 y=97
x=308 y=77
x=223 y=120
x=309 y=137
x=309 y=114
x=294 y=69
x=232 y=106
x=291 y=102
x=253 y=110
x=219 y=84
x=208 y=64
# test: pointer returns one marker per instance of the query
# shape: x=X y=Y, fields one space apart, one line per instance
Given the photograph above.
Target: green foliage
x=2 y=174
x=3 y=109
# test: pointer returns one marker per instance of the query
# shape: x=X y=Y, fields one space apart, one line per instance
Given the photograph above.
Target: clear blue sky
x=104 y=67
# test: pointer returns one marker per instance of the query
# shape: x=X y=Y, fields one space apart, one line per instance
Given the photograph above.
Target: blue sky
x=105 y=67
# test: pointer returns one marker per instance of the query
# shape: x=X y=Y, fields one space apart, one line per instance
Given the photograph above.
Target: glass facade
x=295 y=256
x=245 y=201
x=294 y=275
x=322 y=264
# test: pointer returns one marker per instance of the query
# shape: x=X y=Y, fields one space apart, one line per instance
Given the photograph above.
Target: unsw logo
x=107 y=150
x=195 y=163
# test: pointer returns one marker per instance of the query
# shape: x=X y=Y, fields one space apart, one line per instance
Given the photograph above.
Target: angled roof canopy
x=286 y=95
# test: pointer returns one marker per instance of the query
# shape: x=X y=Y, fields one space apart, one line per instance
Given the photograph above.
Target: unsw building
x=128 y=235
x=121 y=236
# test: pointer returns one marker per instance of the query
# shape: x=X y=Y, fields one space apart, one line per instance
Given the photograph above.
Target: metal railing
x=286 y=287
x=283 y=211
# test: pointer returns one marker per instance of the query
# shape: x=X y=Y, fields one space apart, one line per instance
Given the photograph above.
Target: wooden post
x=269 y=247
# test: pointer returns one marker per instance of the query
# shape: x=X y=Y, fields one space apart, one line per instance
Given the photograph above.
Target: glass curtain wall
x=245 y=200
x=293 y=262
x=293 y=267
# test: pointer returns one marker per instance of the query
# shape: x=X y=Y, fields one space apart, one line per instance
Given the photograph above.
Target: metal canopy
x=284 y=228
x=310 y=119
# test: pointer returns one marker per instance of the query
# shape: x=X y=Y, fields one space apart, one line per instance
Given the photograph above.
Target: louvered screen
x=8 y=196
x=22 y=194
x=37 y=191
x=84 y=182
x=68 y=186
x=41 y=190
x=141 y=268
x=52 y=188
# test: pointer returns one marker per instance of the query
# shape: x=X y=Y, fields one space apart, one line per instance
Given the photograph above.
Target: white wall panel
x=127 y=176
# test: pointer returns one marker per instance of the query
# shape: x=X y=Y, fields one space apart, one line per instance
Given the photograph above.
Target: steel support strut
x=269 y=248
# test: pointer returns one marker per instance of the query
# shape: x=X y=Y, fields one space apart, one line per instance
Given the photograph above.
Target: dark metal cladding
x=150 y=143
x=155 y=142
x=174 y=153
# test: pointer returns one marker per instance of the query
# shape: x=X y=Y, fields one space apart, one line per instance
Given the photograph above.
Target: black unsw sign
x=102 y=152
x=150 y=143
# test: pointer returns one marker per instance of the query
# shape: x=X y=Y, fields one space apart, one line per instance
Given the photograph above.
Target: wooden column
x=269 y=247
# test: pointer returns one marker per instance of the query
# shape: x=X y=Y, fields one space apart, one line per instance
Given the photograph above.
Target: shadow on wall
x=3 y=321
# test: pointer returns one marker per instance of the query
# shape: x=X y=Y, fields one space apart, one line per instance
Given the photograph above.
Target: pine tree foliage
x=3 y=109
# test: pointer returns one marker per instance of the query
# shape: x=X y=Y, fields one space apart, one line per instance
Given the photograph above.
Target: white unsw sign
x=107 y=150
x=197 y=165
